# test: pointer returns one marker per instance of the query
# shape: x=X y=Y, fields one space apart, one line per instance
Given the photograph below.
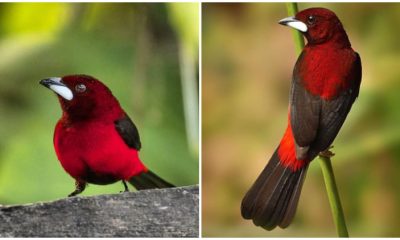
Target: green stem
x=333 y=196
x=325 y=162
x=298 y=37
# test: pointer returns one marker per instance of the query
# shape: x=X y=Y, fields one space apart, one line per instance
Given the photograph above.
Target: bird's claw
x=126 y=189
x=327 y=153
x=72 y=194
x=79 y=187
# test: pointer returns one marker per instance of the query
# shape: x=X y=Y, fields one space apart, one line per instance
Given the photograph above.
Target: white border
x=200 y=121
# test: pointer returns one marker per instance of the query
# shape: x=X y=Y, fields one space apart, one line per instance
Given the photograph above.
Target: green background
x=135 y=49
x=247 y=60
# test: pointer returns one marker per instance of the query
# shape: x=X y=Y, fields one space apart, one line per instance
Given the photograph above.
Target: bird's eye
x=80 y=88
x=311 y=19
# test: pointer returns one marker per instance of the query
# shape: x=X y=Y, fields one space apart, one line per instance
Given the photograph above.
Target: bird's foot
x=74 y=193
x=327 y=153
x=79 y=187
x=125 y=186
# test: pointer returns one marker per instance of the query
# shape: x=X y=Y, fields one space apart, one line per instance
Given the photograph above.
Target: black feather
x=335 y=112
x=294 y=199
x=248 y=203
x=272 y=200
x=128 y=131
x=149 y=180
x=316 y=122
x=304 y=110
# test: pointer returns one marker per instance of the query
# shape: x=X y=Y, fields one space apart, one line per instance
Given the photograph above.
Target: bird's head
x=82 y=96
x=318 y=25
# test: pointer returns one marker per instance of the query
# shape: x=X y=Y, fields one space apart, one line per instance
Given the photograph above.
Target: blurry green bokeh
x=247 y=62
x=132 y=48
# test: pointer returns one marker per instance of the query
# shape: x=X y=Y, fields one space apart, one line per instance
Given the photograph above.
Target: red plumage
x=97 y=146
x=325 y=83
x=95 y=141
x=326 y=76
x=287 y=153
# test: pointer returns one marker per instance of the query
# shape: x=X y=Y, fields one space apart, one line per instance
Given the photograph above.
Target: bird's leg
x=79 y=187
x=125 y=186
x=327 y=153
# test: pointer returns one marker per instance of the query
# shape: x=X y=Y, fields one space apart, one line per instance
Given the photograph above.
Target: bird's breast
x=94 y=151
x=324 y=71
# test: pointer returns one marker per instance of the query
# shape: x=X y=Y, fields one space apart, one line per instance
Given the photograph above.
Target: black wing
x=128 y=131
x=334 y=112
x=304 y=113
x=316 y=122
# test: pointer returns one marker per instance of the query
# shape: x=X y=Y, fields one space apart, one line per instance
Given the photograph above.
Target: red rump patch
x=287 y=152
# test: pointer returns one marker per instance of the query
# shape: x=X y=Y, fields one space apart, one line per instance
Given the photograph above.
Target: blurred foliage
x=131 y=47
x=180 y=13
x=247 y=62
x=188 y=52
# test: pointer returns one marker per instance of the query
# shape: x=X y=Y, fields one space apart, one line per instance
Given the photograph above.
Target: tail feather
x=248 y=202
x=267 y=201
x=294 y=200
x=273 y=198
x=281 y=204
x=149 y=180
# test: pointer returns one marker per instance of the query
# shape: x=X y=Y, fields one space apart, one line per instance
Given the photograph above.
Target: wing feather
x=128 y=131
x=316 y=122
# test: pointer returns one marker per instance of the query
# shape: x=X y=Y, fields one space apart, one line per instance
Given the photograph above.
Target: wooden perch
x=172 y=212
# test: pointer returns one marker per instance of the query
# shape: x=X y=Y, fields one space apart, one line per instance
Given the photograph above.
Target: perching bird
x=95 y=140
x=326 y=81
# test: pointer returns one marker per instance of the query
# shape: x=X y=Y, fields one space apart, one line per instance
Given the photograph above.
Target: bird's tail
x=149 y=180
x=273 y=198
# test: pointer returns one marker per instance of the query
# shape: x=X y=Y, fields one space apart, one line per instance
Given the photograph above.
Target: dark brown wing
x=316 y=122
x=304 y=113
x=128 y=131
x=334 y=112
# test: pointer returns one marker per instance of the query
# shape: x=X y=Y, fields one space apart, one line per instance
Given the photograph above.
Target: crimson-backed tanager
x=95 y=140
x=325 y=83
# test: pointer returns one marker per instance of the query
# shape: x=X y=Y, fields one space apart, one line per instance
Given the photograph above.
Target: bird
x=95 y=140
x=325 y=83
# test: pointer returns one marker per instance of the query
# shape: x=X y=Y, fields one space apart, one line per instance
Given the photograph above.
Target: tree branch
x=172 y=212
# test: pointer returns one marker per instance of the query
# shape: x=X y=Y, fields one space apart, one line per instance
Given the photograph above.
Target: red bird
x=95 y=140
x=326 y=81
